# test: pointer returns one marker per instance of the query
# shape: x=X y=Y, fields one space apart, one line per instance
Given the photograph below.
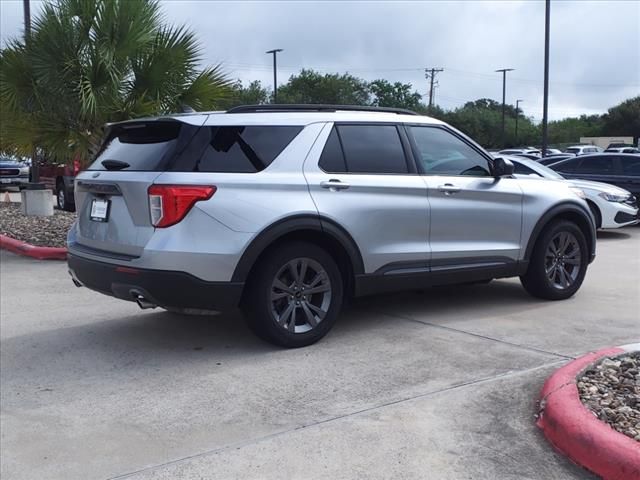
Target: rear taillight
x=168 y=204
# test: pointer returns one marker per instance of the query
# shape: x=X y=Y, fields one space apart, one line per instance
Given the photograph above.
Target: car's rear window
x=140 y=146
x=179 y=147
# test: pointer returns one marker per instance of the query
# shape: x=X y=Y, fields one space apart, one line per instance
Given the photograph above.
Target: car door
x=362 y=177
x=630 y=173
x=476 y=219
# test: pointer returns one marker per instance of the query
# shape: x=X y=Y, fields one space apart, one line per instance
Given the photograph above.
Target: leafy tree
x=312 y=87
x=252 y=94
x=569 y=130
x=623 y=119
x=399 y=95
x=88 y=62
x=482 y=120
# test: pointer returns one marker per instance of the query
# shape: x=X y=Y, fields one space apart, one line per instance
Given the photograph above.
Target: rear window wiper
x=114 y=164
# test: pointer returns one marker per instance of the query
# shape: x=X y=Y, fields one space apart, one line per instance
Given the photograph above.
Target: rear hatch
x=111 y=196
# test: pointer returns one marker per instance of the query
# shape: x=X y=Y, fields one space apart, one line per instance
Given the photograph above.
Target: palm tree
x=89 y=62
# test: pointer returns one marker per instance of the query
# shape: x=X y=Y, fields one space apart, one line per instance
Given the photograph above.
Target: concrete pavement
x=437 y=385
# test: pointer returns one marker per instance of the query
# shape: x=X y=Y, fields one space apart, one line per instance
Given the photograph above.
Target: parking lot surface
x=439 y=384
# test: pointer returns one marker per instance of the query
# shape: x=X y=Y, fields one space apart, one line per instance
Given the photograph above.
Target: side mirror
x=502 y=167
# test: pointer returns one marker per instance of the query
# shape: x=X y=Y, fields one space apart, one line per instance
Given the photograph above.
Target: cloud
x=594 y=60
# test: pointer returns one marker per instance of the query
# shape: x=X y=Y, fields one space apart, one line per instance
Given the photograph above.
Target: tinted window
x=568 y=165
x=630 y=165
x=141 y=146
x=178 y=147
x=244 y=149
x=597 y=165
x=332 y=158
x=573 y=150
x=372 y=149
x=442 y=153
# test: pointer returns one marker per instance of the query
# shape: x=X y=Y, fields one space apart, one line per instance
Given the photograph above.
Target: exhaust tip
x=142 y=302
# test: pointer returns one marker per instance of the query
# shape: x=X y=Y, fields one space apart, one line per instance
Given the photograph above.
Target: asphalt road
x=434 y=385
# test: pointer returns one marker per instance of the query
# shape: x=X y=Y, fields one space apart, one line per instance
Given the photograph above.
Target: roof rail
x=316 y=108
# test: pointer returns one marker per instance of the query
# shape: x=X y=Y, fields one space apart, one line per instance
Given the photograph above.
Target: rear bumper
x=159 y=287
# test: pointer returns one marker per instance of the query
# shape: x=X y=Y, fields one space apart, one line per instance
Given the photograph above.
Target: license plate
x=100 y=210
x=5 y=180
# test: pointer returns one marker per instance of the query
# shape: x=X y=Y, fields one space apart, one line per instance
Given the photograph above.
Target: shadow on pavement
x=612 y=235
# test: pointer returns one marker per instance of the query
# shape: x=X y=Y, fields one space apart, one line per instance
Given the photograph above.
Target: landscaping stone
x=40 y=231
x=611 y=390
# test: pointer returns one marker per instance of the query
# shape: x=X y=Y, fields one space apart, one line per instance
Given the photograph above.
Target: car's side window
x=371 y=149
x=597 y=165
x=630 y=165
x=442 y=153
x=569 y=166
x=332 y=158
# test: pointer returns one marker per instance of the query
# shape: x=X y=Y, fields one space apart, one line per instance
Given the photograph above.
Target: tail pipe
x=141 y=300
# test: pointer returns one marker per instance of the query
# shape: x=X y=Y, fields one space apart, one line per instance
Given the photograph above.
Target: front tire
x=294 y=295
x=558 y=263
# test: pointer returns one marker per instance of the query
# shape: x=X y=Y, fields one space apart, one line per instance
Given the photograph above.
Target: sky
x=594 y=49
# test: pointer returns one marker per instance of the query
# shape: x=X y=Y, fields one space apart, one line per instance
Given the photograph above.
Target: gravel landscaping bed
x=611 y=390
x=40 y=231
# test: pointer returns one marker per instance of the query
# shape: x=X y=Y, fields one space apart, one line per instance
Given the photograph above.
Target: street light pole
x=517 y=115
x=545 y=104
x=504 y=94
x=27 y=18
x=275 y=73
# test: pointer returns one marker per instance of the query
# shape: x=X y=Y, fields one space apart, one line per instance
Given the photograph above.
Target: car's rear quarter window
x=244 y=149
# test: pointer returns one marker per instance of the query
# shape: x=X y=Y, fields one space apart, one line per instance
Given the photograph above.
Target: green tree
x=398 y=95
x=252 y=94
x=311 y=87
x=623 y=119
x=88 y=62
x=569 y=130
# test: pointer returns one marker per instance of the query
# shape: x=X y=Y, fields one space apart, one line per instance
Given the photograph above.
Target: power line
x=452 y=71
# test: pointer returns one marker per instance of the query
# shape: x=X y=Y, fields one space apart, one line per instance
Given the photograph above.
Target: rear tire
x=294 y=295
x=62 y=199
x=558 y=263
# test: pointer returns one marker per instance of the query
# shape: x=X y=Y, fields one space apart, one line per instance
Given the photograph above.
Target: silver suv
x=288 y=211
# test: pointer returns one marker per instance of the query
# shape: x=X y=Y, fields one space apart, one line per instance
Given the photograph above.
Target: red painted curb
x=576 y=432
x=28 y=250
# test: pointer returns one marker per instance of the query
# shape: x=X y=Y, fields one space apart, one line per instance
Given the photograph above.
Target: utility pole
x=275 y=73
x=545 y=104
x=517 y=115
x=27 y=18
x=35 y=162
x=504 y=94
x=430 y=74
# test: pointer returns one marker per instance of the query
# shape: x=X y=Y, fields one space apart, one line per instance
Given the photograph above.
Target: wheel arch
x=572 y=212
x=597 y=214
x=313 y=229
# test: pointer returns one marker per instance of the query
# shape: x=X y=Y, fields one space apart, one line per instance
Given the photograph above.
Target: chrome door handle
x=334 y=185
x=448 y=189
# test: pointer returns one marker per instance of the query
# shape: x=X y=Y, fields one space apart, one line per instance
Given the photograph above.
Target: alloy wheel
x=300 y=295
x=562 y=260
